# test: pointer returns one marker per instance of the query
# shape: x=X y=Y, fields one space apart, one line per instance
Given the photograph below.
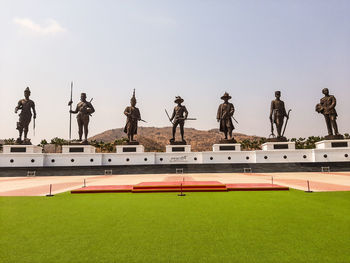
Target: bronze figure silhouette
x=224 y=117
x=277 y=114
x=83 y=110
x=327 y=108
x=178 y=118
x=133 y=117
x=26 y=106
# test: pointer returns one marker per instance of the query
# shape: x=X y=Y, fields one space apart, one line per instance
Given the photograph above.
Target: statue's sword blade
x=167 y=114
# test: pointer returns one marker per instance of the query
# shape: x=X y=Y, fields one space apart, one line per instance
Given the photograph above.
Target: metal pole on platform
x=50 y=191
x=272 y=180
x=308 y=187
x=182 y=194
x=84 y=183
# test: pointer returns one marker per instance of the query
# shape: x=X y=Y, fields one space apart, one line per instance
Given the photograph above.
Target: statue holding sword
x=225 y=116
x=277 y=114
x=133 y=116
x=178 y=118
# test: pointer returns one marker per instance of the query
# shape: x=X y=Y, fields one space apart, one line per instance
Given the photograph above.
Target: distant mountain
x=155 y=139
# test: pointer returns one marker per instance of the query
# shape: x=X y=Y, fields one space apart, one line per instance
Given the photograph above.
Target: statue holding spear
x=83 y=110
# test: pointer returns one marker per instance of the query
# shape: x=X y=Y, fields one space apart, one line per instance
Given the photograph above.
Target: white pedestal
x=130 y=148
x=22 y=149
x=229 y=147
x=177 y=148
x=332 y=144
x=78 y=149
x=270 y=146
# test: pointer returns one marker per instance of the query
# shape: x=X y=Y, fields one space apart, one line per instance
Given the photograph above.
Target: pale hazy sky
x=195 y=49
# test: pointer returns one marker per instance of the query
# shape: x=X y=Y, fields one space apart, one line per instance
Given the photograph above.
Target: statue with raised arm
x=133 y=116
x=83 y=110
x=26 y=106
x=224 y=117
x=178 y=118
x=277 y=114
x=327 y=108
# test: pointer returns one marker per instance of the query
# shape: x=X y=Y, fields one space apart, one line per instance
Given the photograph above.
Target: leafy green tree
x=306 y=143
x=43 y=143
x=10 y=141
x=121 y=141
x=58 y=142
x=108 y=147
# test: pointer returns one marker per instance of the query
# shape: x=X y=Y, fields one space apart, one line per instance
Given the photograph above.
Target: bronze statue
x=84 y=109
x=26 y=106
x=224 y=116
x=133 y=116
x=178 y=117
x=277 y=115
x=327 y=108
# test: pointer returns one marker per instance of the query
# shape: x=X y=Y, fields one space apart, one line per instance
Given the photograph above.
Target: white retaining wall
x=106 y=159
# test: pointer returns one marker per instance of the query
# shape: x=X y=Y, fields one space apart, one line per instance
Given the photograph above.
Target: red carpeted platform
x=103 y=189
x=189 y=186
x=255 y=187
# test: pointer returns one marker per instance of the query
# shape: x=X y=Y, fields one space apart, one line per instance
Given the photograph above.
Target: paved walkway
x=39 y=186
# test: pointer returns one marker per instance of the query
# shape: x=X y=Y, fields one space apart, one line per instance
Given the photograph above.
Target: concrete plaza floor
x=39 y=186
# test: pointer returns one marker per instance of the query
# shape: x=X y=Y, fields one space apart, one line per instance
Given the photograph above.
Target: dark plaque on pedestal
x=178 y=149
x=129 y=149
x=339 y=144
x=280 y=146
x=76 y=150
x=227 y=148
x=18 y=149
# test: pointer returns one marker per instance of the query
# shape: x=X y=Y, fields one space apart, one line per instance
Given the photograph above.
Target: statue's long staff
x=284 y=129
x=70 y=113
x=34 y=127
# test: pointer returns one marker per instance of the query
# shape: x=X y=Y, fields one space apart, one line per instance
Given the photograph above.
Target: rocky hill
x=155 y=139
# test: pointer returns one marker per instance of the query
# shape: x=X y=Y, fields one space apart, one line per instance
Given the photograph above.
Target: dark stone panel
x=178 y=149
x=227 y=148
x=18 y=149
x=171 y=168
x=280 y=146
x=129 y=149
x=76 y=150
x=339 y=144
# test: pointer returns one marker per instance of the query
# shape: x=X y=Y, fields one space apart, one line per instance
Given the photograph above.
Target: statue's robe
x=133 y=116
x=25 y=116
x=225 y=113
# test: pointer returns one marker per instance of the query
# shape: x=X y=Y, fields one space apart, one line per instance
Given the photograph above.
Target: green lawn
x=286 y=226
